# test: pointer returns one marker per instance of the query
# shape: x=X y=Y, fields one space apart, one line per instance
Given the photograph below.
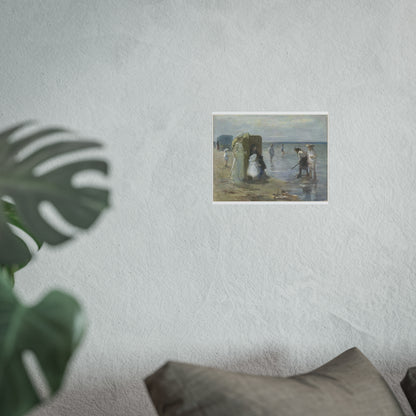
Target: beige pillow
x=349 y=385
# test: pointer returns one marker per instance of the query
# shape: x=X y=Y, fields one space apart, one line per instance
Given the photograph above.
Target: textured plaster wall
x=167 y=275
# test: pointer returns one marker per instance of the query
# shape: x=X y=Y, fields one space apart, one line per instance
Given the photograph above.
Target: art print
x=270 y=157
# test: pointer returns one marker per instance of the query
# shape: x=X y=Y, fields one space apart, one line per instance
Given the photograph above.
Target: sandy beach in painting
x=271 y=189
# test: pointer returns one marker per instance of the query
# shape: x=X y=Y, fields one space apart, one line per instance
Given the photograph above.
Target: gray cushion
x=349 y=385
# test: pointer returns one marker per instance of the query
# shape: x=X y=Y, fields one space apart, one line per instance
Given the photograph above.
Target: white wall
x=167 y=275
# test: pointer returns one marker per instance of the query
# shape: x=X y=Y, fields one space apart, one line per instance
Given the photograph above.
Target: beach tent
x=225 y=140
x=248 y=141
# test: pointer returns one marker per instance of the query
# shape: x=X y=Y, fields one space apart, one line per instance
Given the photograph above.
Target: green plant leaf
x=13 y=251
x=7 y=276
x=51 y=329
x=10 y=212
x=80 y=206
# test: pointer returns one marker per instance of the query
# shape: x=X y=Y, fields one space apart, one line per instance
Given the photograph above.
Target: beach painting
x=270 y=158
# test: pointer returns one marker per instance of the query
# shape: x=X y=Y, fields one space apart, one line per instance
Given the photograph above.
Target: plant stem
x=7 y=275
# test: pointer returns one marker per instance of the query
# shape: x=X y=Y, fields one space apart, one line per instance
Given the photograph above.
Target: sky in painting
x=274 y=128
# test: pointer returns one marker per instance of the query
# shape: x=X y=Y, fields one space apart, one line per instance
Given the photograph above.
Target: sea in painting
x=273 y=157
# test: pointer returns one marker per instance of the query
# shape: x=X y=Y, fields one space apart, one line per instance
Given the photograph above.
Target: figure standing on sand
x=262 y=166
x=256 y=166
x=311 y=161
x=283 y=148
x=303 y=161
x=226 y=157
x=271 y=152
x=237 y=169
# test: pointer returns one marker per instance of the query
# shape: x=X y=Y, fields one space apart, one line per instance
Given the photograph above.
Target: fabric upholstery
x=409 y=387
x=349 y=385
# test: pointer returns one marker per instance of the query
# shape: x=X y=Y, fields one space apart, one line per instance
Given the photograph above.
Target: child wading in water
x=311 y=161
x=303 y=161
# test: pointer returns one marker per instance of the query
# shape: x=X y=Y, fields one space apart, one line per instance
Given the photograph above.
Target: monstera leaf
x=20 y=182
x=13 y=219
x=51 y=329
x=11 y=216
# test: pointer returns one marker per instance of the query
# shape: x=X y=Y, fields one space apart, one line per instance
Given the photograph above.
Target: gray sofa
x=348 y=385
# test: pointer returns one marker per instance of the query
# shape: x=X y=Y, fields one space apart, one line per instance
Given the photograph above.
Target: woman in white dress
x=237 y=170
x=253 y=166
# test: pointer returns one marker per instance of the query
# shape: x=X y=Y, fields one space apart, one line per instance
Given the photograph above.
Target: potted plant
x=53 y=328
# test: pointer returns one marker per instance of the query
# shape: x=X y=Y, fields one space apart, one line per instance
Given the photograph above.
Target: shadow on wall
x=112 y=395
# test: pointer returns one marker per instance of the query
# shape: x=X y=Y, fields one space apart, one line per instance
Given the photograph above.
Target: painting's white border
x=270 y=113
x=282 y=113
